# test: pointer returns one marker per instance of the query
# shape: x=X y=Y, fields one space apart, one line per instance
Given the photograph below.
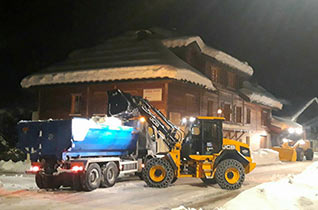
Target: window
x=238 y=114
x=227 y=112
x=215 y=74
x=265 y=117
x=210 y=108
x=76 y=104
x=248 y=116
x=231 y=80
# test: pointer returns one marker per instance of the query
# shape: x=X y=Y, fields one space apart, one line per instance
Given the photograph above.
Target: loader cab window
x=211 y=137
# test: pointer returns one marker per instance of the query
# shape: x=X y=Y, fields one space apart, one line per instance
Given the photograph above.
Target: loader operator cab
x=203 y=136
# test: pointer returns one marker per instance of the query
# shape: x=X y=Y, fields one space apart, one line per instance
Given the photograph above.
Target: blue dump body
x=57 y=138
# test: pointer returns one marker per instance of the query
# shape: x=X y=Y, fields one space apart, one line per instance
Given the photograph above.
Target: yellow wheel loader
x=295 y=150
x=200 y=151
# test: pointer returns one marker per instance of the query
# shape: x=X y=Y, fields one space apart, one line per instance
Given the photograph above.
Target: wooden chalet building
x=179 y=75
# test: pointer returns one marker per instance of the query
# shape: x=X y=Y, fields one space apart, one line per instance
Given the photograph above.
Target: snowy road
x=20 y=192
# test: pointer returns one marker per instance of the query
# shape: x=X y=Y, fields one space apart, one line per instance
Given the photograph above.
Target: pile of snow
x=265 y=157
x=14 y=167
x=294 y=192
x=184 y=208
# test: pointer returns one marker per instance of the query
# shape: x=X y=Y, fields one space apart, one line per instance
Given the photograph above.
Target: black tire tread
x=169 y=173
x=85 y=185
x=309 y=154
x=104 y=168
x=220 y=174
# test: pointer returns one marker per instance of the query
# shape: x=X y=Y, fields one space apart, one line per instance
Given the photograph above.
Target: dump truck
x=84 y=153
x=198 y=151
x=292 y=150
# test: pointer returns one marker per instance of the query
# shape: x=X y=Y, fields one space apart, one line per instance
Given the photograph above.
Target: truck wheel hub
x=93 y=176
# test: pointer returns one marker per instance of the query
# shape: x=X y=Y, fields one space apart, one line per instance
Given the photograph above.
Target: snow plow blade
x=286 y=154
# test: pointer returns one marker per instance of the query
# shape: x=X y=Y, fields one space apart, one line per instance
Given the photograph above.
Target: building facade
x=179 y=75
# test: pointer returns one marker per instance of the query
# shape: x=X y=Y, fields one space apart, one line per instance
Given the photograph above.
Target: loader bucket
x=118 y=103
x=286 y=154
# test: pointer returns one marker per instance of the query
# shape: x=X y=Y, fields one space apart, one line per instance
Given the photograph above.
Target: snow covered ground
x=14 y=167
x=294 y=192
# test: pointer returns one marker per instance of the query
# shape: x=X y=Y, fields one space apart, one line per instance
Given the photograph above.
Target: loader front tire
x=92 y=177
x=158 y=173
x=229 y=174
x=309 y=154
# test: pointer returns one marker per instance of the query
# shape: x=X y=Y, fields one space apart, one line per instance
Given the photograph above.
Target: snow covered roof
x=283 y=122
x=259 y=95
x=209 y=51
x=122 y=58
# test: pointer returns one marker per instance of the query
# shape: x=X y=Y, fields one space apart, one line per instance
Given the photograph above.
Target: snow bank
x=184 y=208
x=14 y=167
x=265 y=157
x=294 y=192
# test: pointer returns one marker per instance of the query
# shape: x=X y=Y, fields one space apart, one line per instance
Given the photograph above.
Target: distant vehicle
x=295 y=150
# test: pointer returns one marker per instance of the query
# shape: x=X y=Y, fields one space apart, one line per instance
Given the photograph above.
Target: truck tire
x=109 y=174
x=158 y=173
x=300 y=154
x=309 y=154
x=77 y=182
x=39 y=180
x=92 y=177
x=229 y=174
x=209 y=181
x=50 y=182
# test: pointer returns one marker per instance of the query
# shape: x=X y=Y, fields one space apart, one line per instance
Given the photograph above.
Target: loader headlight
x=245 y=151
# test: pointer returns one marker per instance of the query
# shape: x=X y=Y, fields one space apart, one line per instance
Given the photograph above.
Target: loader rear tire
x=158 y=173
x=92 y=177
x=309 y=154
x=300 y=154
x=209 y=181
x=229 y=174
x=109 y=174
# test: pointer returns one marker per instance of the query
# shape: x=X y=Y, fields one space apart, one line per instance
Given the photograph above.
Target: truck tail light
x=77 y=167
x=35 y=167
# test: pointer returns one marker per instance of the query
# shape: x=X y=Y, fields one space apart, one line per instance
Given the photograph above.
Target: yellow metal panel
x=210 y=118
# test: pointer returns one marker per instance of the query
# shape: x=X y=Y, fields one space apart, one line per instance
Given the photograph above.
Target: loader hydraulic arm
x=124 y=105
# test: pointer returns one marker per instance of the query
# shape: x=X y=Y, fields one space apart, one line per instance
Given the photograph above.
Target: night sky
x=278 y=38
